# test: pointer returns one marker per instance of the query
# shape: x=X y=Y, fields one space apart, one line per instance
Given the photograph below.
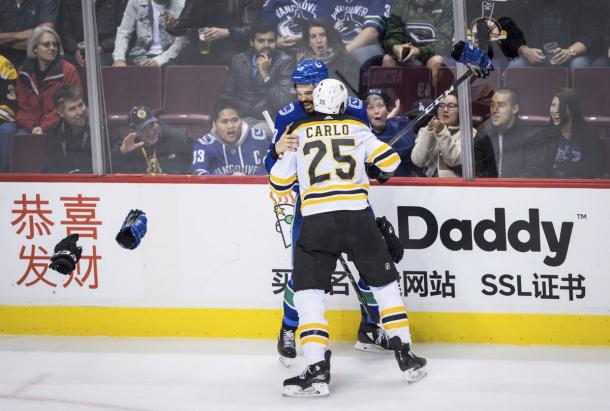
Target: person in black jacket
x=572 y=147
x=108 y=16
x=68 y=142
x=260 y=78
x=151 y=147
x=506 y=146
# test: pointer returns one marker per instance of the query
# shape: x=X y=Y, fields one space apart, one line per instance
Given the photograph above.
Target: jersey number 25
x=321 y=149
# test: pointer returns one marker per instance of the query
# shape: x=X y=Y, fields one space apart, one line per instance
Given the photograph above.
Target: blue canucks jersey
x=349 y=17
x=213 y=156
x=294 y=111
x=404 y=146
x=289 y=16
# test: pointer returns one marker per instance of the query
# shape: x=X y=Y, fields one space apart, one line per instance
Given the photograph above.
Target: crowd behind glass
x=518 y=130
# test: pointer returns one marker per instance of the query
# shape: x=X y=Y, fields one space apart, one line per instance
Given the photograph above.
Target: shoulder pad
x=354 y=102
x=207 y=139
x=286 y=110
x=258 y=134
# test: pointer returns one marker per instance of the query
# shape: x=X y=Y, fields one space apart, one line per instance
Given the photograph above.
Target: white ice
x=102 y=373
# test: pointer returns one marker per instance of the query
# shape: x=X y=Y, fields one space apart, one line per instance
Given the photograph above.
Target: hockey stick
x=361 y=299
x=429 y=109
x=347 y=83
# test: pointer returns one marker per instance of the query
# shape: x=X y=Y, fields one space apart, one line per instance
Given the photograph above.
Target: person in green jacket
x=419 y=32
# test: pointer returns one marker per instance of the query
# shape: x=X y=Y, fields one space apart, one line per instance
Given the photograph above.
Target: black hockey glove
x=133 y=229
x=66 y=254
x=375 y=173
x=393 y=242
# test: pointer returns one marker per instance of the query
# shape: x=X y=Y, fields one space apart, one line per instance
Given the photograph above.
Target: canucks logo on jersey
x=289 y=15
x=211 y=155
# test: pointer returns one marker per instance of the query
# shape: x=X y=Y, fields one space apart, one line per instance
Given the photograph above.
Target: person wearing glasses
x=437 y=146
x=40 y=76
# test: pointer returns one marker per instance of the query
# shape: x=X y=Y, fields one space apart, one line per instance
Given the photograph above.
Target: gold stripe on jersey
x=335 y=198
x=328 y=122
x=390 y=161
x=335 y=187
x=380 y=154
x=281 y=185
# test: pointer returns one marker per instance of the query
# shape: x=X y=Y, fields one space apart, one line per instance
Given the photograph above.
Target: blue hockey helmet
x=310 y=72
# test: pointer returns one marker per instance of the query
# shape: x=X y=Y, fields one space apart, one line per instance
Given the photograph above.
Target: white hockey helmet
x=330 y=97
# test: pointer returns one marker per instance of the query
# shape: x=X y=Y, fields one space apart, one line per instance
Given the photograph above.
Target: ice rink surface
x=103 y=373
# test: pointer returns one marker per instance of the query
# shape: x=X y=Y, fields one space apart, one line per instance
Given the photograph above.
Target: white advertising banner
x=467 y=249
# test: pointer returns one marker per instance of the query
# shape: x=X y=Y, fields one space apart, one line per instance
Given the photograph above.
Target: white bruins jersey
x=329 y=163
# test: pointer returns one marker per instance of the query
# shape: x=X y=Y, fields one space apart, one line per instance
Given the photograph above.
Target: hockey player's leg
x=371 y=337
x=286 y=341
x=394 y=319
x=312 y=382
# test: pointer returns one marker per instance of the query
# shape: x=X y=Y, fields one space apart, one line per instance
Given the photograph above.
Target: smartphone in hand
x=405 y=52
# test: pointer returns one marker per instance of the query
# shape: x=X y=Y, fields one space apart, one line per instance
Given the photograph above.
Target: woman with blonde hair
x=43 y=73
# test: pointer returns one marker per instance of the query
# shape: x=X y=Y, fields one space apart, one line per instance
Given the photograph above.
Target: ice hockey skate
x=372 y=338
x=313 y=382
x=286 y=345
x=413 y=366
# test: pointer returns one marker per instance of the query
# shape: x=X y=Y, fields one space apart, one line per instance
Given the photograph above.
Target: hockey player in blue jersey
x=305 y=77
x=231 y=148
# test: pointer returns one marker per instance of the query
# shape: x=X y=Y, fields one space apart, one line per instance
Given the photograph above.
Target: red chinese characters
x=33 y=219
x=32 y=216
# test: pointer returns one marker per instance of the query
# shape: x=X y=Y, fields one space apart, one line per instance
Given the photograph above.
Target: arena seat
x=27 y=154
x=409 y=84
x=190 y=95
x=125 y=87
x=536 y=87
x=593 y=86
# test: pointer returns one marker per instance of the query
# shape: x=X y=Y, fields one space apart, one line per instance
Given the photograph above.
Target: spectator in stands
x=505 y=146
x=361 y=23
x=438 y=146
x=322 y=42
x=289 y=17
x=40 y=76
x=151 y=147
x=420 y=33
x=572 y=147
x=259 y=79
x=8 y=110
x=17 y=20
x=232 y=147
x=227 y=27
x=385 y=125
x=68 y=143
x=108 y=16
x=576 y=27
x=154 y=46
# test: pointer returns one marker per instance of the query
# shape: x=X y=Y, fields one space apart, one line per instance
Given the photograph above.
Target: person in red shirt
x=40 y=76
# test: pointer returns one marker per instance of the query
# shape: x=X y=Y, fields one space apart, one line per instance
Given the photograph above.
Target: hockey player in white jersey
x=334 y=155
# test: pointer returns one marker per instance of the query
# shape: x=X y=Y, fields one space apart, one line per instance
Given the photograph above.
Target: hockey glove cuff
x=392 y=241
x=66 y=254
x=133 y=229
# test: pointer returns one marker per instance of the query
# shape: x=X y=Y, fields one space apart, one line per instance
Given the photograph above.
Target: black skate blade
x=372 y=348
x=318 y=389
x=415 y=375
